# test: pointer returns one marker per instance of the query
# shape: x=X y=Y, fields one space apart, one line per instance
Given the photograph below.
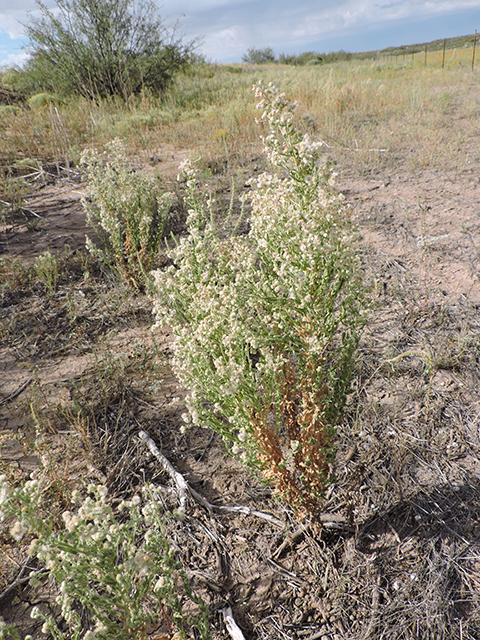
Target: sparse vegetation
x=393 y=552
x=46 y=269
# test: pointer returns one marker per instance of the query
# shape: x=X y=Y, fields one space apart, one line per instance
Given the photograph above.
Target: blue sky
x=229 y=27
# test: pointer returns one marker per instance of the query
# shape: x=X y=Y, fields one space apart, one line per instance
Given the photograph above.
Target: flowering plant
x=127 y=210
x=266 y=325
x=119 y=568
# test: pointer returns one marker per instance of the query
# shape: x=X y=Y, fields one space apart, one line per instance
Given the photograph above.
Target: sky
x=228 y=28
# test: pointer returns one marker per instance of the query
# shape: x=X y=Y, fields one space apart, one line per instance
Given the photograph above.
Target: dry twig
x=16 y=393
x=177 y=477
x=21 y=579
x=232 y=627
x=183 y=486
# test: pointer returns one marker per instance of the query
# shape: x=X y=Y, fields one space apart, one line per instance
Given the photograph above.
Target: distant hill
x=313 y=57
x=435 y=45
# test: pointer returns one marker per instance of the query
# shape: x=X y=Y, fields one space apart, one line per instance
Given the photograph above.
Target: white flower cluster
x=245 y=308
x=126 y=209
x=122 y=570
x=284 y=145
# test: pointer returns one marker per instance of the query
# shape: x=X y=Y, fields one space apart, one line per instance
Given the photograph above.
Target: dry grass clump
x=410 y=480
x=412 y=583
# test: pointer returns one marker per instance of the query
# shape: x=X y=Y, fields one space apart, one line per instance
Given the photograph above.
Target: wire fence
x=438 y=55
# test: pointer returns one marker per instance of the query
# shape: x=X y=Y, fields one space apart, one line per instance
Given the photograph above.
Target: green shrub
x=259 y=56
x=267 y=325
x=41 y=100
x=102 y=48
x=308 y=57
x=8 y=109
x=128 y=210
x=120 y=568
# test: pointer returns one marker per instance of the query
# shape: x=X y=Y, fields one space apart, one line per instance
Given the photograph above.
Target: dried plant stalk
x=299 y=462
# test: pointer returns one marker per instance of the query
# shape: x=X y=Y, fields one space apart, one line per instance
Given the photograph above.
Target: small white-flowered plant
x=127 y=209
x=122 y=570
x=46 y=269
x=267 y=324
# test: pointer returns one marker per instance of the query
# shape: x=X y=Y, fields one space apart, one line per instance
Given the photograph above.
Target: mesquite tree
x=101 y=48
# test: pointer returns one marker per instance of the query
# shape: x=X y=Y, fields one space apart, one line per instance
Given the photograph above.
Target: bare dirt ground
x=397 y=551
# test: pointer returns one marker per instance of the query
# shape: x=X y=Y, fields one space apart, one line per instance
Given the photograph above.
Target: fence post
x=443 y=59
x=474 y=46
x=425 y=54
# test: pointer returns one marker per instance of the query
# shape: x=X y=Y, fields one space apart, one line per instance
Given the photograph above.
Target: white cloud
x=11 y=25
x=225 y=44
x=228 y=37
x=15 y=12
x=173 y=7
x=230 y=27
x=356 y=15
x=12 y=59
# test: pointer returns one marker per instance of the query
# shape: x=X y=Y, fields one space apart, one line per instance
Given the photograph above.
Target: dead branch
x=183 y=486
x=21 y=579
x=16 y=393
x=179 y=480
x=232 y=627
x=290 y=541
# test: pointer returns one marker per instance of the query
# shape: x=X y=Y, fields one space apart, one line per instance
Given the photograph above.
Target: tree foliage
x=307 y=57
x=259 y=56
x=101 y=48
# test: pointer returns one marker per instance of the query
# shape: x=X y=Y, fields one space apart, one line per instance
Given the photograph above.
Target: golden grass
x=364 y=106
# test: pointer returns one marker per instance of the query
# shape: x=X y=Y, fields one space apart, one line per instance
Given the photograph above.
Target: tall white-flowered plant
x=127 y=209
x=118 y=566
x=267 y=325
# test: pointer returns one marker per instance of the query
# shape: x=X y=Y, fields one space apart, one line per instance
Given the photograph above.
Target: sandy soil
x=408 y=467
